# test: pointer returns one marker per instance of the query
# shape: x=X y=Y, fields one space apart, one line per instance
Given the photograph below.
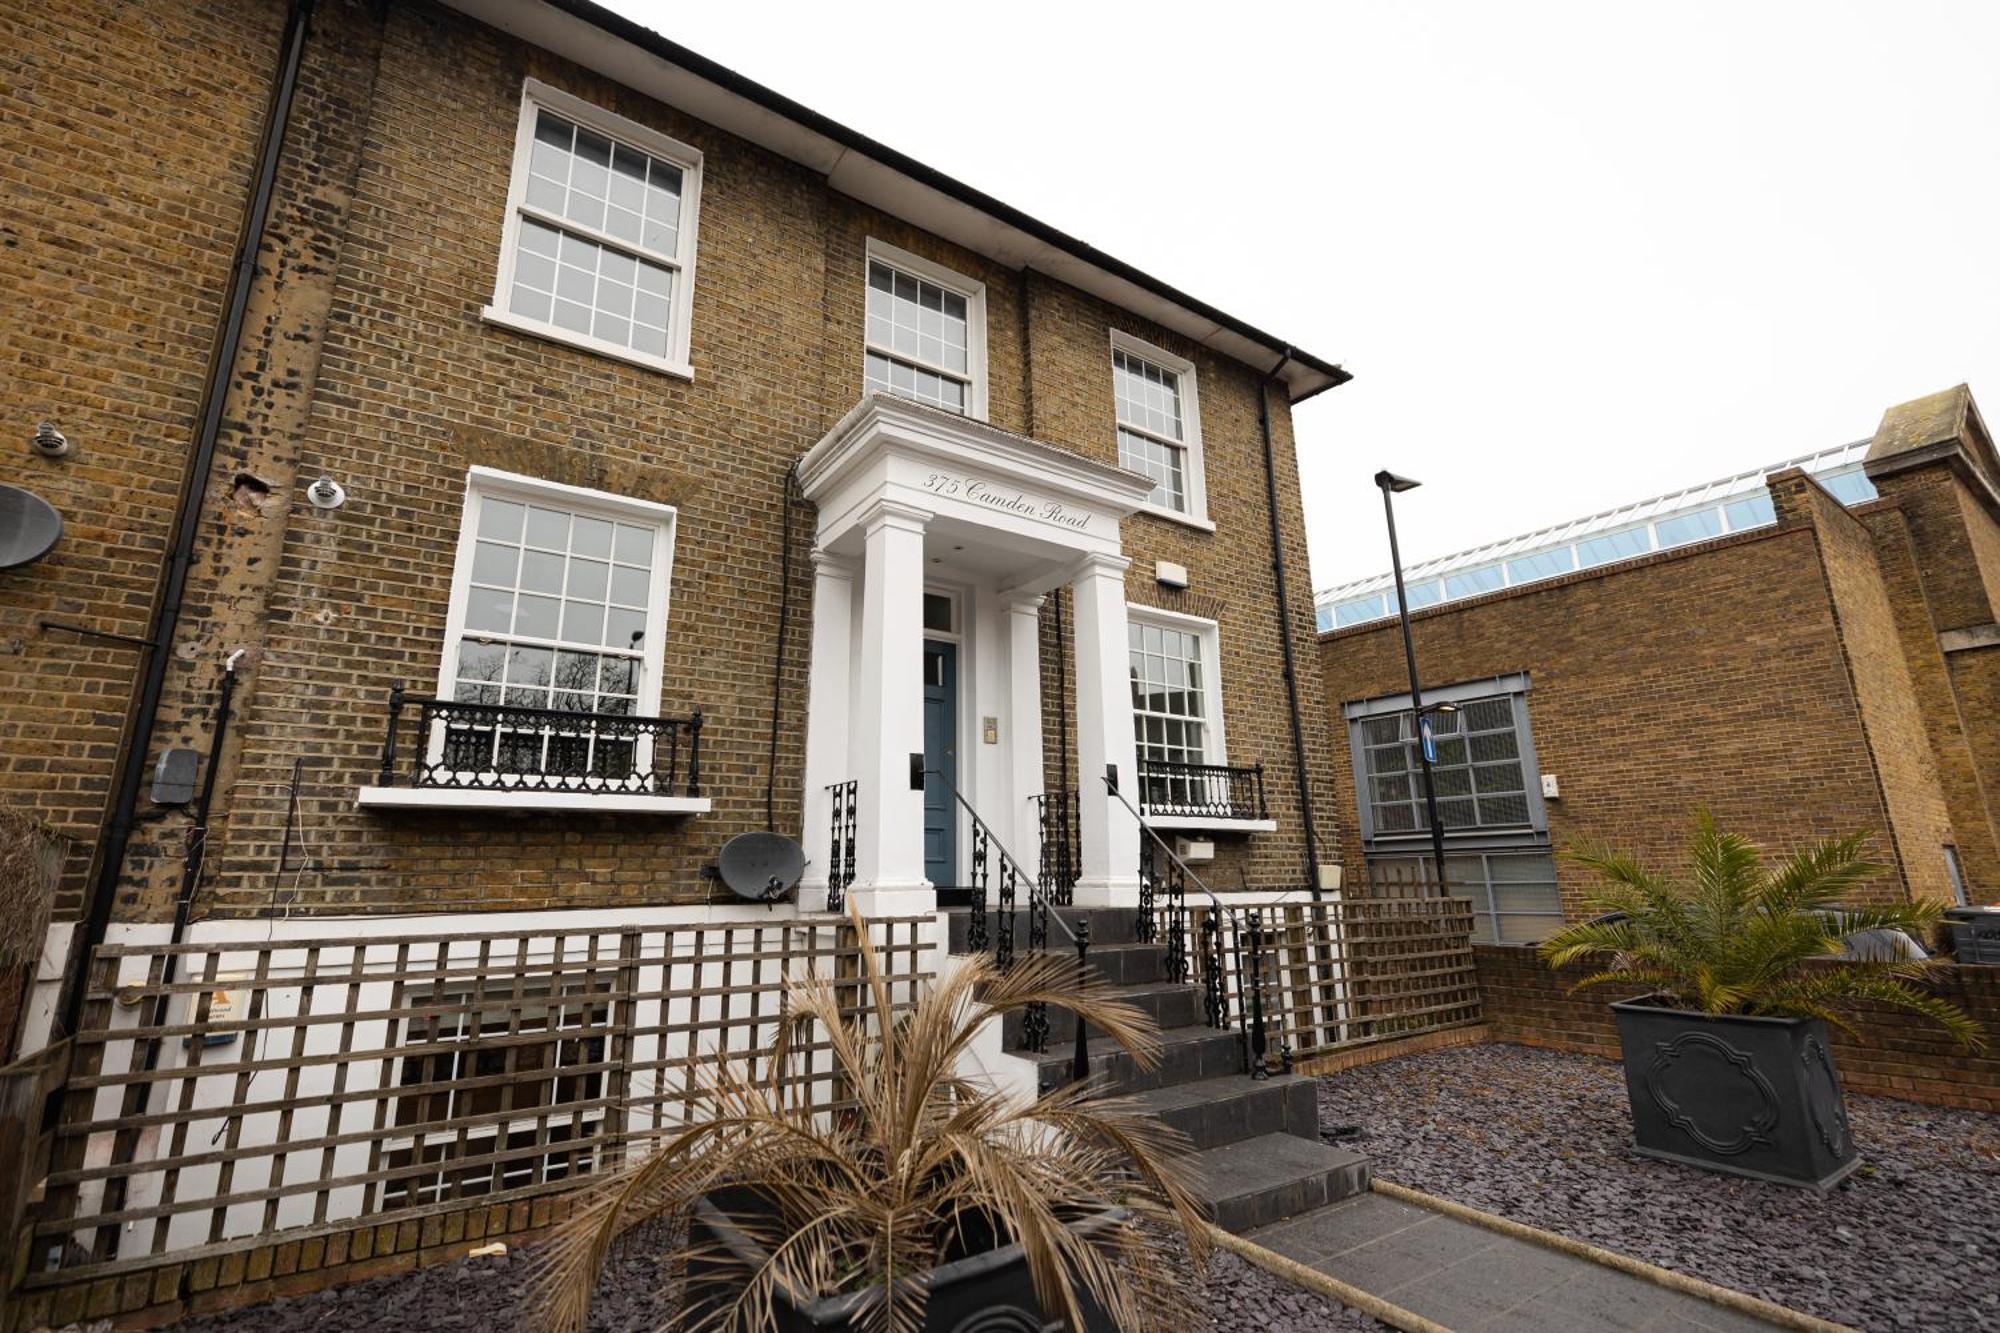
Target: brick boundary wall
x=290 y=1264
x=1890 y=1053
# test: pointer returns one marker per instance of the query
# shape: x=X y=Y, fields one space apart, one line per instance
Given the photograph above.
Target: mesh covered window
x=1481 y=781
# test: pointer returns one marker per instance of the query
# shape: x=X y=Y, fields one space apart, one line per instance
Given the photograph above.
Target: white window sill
x=452 y=798
x=1211 y=824
x=507 y=319
x=1176 y=516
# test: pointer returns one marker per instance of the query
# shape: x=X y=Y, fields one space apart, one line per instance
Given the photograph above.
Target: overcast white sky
x=1574 y=253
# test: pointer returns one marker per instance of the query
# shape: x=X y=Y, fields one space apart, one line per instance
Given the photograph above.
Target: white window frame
x=1194 y=473
x=537 y=96
x=974 y=293
x=484 y=483
x=1214 y=738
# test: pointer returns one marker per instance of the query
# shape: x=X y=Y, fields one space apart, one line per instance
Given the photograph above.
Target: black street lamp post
x=1390 y=484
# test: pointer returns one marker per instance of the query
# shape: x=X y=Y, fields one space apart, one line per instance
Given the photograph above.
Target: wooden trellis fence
x=1344 y=972
x=288 y=1087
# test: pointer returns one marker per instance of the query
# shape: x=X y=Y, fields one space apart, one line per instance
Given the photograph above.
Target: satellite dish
x=29 y=526
x=761 y=866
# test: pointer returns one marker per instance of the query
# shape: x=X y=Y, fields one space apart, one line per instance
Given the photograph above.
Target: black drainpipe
x=187 y=525
x=1285 y=625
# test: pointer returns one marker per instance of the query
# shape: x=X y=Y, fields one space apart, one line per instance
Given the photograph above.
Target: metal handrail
x=1255 y=1044
x=1037 y=1020
x=1034 y=887
x=1186 y=869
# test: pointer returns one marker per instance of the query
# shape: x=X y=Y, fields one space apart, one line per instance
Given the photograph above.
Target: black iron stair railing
x=1058 y=816
x=1206 y=791
x=990 y=857
x=840 y=851
x=1169 y=879
x=499 y=747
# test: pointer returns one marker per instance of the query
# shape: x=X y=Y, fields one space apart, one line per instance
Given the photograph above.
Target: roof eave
x=856 y=165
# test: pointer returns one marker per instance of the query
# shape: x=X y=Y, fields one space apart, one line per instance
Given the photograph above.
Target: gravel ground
x=1909 y=1241
x=638 y=1295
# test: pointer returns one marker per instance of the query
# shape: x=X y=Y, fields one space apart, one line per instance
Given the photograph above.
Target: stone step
x=1187 y=1055
x=1108 y=925
x=1168 y=1005
x=1258 y=1181
x=1219 y=1111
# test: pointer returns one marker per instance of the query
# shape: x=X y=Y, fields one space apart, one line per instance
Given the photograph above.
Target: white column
x=827 y=702
x=1110 y=834
x=888 y=721
x=1023 y=724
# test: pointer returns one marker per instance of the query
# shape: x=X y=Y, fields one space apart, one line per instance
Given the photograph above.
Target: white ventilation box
x=1194 y=851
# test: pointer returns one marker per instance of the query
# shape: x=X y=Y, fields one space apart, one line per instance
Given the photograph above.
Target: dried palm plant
x=1742 y=938
x=922 y=1165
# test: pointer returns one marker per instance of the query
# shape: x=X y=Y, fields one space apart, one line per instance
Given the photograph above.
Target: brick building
x=756 y=455
x=1805 y=650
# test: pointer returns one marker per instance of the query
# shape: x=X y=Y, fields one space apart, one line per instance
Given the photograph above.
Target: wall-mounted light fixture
x=326 y=493
x=50 y=442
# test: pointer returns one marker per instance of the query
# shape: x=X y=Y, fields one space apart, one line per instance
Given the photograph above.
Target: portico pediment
x=964 y=473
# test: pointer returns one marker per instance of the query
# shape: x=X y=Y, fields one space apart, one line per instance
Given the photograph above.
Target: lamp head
x=1389 y=481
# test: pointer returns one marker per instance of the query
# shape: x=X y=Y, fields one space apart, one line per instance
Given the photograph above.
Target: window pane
x=1753 y=512
x=629 y=586
x=501 y=519
x=1612 y=546
x=1473 y=582
x=1850 y=488
x=1148 y=396
x=1423 y=594
x=1540 y=565
x=541 y=571
x=495 y=563
x=1162 y=462
x=1685 y=528
x=594 y=290
x=1169 y=696
x=537 y=617
x=1357 y=609
x=917 y=319
x=488 y=609
x=912 y=381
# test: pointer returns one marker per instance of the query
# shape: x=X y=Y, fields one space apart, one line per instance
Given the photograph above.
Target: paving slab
x=1468 y=1278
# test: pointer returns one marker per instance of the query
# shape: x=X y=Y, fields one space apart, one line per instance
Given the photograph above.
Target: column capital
x=893 y=514
x=1099 y=564
x=830 y=566
x=1022 y=603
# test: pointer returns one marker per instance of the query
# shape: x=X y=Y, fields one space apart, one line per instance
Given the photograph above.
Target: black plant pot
x=1755 y=1096
x=985 y=1292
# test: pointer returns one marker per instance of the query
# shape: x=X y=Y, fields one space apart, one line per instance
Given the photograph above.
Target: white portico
x=938 y=538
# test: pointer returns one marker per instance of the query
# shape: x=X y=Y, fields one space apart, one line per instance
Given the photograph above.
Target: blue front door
x=940 y=756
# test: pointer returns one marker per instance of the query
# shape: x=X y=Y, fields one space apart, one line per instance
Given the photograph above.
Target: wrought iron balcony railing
x=493 y=747
x=1202 y=791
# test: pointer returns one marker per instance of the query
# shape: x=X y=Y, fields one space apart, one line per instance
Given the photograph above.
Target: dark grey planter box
x=986 y=1292
x=1755 y=1096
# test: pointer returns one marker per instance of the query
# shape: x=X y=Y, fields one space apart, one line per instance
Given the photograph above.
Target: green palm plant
x=863 y=1201
x=1738 y=936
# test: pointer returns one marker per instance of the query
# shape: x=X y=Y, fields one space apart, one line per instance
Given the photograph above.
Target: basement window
x=498 y=1092
x=598 y=245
